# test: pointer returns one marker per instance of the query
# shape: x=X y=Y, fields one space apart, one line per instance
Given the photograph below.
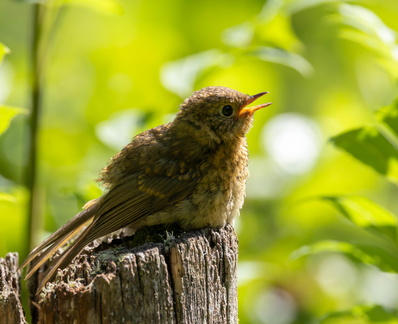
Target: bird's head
x=220 y=112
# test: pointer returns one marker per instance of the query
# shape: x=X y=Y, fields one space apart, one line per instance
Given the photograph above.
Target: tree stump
x=11 y=311
x=182 y=278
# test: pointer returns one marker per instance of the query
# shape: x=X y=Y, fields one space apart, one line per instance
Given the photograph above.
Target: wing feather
x=134 y=198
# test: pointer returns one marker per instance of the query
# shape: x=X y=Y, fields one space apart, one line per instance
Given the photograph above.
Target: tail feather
x=42 y=252
x=66 y=257
x=39 y=260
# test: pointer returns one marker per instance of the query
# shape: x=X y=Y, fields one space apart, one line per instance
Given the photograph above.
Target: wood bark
x=11 y=311
x=182 y=278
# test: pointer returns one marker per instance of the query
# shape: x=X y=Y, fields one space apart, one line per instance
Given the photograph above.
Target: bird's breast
x=220 y=190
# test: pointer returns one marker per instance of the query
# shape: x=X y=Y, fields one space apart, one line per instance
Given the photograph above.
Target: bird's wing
x=135 y=198
x=127 y=203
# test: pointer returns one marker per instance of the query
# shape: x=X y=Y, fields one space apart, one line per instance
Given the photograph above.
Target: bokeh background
x=115 y=68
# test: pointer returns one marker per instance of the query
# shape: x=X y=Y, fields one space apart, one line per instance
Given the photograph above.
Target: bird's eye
x=227 y=111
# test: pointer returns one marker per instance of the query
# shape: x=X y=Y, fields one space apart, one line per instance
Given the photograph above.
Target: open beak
x=249 y=111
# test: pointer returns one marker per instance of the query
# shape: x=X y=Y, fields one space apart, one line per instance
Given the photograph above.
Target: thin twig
x=36 y=101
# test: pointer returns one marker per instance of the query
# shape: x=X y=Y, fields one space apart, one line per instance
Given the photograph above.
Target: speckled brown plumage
x=191 y=171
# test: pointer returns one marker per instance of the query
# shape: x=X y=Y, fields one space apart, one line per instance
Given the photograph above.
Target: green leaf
x=372 y=148
x=366 y=214
x=6 y=115
x=385 y=260
x=366 y=21
x=239 y=35
x=3 y=51
x=180 y=76
x=362 y=314
x=369 y=30
x=333 y=246
x=360 y=253
x=388 y=116
x=276 y=55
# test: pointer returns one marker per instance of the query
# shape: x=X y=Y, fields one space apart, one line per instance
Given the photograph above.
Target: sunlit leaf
x=386 y=54
x=119 y=128
x=389 y=117
x=105 y=6
x=7 y=197
x=371 y=32
x=238 y=36
x=270 y=9
x=362 y=314
x=180 y=76
x=332 y=246
x=366 y=214
x=3 y=51
x=370 y=147
x=6 y=115
x=365 y=254
x=276 y=55
x=368 y=22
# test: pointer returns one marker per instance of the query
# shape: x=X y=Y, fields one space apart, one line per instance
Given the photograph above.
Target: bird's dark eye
x=227 y=111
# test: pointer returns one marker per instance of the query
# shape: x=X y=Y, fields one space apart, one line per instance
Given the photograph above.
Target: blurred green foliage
x=376 y=145
x=115 y=68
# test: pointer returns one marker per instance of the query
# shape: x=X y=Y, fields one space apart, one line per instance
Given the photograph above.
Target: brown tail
x=66 y=257
x=45 y=250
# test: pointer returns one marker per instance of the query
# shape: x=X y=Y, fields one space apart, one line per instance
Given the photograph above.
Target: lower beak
x=249 y=111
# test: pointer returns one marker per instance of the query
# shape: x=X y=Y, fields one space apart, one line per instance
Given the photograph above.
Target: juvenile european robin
x=191 y=171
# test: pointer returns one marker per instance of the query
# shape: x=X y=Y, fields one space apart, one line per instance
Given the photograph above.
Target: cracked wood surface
x=11 y=311
x=186 y=278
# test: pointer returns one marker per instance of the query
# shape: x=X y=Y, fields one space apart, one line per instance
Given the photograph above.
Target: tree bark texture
x=11 y=311
x=186 y=278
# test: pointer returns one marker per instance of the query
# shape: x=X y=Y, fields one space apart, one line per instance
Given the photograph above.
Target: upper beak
x=248 y=111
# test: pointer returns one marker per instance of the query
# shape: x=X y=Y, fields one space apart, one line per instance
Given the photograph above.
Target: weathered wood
x=11 y=311
x=190 y=278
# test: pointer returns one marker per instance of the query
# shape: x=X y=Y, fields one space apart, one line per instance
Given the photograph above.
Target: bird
x=190 y=172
